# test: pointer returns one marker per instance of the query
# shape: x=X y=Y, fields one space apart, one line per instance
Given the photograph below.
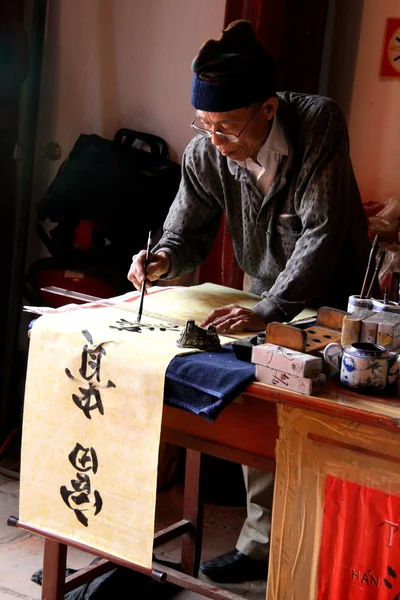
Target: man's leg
x=255 y=534
x=250 y=558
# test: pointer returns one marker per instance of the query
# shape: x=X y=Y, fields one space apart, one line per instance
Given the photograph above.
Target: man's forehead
x=219 y=117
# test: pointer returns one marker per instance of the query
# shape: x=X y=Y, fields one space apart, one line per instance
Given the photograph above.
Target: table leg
x=54 y=565
x=193 y=509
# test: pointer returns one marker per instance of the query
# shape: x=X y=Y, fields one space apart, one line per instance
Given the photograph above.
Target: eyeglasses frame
x=229 y=137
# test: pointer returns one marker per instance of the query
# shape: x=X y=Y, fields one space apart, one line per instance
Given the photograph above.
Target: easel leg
x=193 y=509
x=54 y=564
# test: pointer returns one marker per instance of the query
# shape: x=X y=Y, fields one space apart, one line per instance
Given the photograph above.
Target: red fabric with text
x=360 y=546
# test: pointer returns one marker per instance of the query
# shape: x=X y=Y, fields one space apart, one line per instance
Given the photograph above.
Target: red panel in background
x=293 y=32
x=221 y=266
x=360 y=546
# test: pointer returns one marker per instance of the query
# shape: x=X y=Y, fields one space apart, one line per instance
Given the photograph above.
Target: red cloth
x=360 y=546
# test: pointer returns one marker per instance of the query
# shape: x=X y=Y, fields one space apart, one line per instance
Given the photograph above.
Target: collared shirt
x=269 y=158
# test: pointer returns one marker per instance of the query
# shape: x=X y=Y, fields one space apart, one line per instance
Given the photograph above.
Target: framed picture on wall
x=390 y=62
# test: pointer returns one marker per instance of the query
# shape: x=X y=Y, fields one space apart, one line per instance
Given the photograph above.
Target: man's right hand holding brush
x=157 y=266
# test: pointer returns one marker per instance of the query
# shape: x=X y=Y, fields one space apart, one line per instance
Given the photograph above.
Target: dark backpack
x=106 y=197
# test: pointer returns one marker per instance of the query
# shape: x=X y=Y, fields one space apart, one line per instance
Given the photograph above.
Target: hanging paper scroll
x=91 y=429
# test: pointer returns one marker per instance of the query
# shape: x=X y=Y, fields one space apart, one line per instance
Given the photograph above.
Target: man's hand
x=234 y=318
x=158 y=265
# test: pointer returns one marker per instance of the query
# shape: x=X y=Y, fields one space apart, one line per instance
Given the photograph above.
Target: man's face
x=251 y=124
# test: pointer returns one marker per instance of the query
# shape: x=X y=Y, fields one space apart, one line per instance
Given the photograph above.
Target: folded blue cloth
x=205 y=382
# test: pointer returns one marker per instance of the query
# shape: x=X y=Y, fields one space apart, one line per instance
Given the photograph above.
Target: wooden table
x=257 y=429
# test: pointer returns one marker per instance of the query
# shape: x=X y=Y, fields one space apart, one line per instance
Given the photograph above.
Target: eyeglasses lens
x=226 y=137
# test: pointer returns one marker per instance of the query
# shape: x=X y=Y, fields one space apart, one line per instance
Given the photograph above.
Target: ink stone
x=197 y=337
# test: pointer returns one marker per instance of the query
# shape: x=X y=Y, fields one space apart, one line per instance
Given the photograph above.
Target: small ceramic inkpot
x=363 y=366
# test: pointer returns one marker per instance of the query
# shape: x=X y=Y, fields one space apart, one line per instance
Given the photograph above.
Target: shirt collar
x=275 y=142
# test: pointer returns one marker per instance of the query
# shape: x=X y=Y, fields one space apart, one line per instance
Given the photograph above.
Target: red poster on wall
x=390 y=63
x=360 y=546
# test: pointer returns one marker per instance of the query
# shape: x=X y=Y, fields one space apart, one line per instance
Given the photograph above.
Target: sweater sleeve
x=193 y=219
x=324 y=190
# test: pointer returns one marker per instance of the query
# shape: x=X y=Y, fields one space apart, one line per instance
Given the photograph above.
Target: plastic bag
x=391 y=208
x=390 y=265
x=385 y=227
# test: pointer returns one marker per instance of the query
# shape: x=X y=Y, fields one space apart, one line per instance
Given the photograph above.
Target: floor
x=21 y=552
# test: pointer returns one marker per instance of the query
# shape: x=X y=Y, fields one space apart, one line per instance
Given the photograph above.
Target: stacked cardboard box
x=381 y=328
x=287 y=369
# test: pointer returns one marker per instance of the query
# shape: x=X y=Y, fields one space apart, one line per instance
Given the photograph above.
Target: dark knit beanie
x=233 y=71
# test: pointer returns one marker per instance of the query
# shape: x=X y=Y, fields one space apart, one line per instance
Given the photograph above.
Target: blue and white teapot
x=363 y=366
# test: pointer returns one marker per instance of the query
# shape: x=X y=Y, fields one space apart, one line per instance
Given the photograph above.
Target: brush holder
x=356 y=305
x=389 y=307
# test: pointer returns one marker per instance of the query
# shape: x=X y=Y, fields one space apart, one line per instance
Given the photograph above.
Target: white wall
x=371 y=103
x=119 y=63
x=126 y=63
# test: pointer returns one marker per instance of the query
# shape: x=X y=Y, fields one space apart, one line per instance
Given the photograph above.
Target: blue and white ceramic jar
x=359 y=306
x=356 y=305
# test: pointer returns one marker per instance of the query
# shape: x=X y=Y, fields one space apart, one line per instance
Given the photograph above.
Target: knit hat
x=233 y=71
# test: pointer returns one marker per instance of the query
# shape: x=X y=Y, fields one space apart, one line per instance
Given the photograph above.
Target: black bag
x=120 y=188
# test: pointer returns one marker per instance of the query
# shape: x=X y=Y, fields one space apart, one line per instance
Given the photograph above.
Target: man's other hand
x=157 y=266
x=233 y=318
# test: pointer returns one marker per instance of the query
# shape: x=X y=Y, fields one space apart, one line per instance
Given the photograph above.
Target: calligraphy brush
x=376 y=272
x=386 y=295
x=146 y=261
x=370 y=267
x=394 y=288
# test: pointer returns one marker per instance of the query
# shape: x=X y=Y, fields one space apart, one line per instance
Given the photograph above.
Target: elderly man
x=278 y=166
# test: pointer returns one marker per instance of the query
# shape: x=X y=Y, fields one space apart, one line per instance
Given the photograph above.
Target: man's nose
x=216 y=139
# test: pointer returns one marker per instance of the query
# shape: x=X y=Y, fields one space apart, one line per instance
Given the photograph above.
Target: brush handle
x=394 y=287
x=143 y=290
x=371 y=266
x=386 y=295
x=379 y=263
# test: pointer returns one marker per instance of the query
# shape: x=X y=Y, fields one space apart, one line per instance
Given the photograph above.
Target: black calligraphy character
x=124 y=325
x=79 y=496
x=91 y=358
x=84 y=402
x=389 y=584
x=90 y=368
x=83 y=459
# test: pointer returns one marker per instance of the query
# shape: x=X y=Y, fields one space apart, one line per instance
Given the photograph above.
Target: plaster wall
x=110 y=64
x=126 y=63
x=371 y=102
x=120 y=63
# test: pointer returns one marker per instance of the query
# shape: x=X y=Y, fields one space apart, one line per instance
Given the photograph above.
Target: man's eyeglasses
x=226 y=137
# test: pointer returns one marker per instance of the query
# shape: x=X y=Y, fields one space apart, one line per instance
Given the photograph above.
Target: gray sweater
x=303 y=244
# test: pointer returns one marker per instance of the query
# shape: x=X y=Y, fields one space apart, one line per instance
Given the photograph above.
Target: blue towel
x=205 y=382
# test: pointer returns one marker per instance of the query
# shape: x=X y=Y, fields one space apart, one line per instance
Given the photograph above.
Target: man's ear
x=270 y=107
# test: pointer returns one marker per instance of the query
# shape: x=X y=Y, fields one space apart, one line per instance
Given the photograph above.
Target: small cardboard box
x=351 y=329
x=284 y=380
x=388 y=334
x=369 y=328
x=289 y=361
